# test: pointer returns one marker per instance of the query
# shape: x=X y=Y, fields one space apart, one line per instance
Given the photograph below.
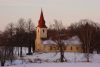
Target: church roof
x=73 y=40
x=41 y=22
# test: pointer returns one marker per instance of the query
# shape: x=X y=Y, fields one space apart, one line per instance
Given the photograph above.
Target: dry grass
x=47 y=60
x=24 y=60
x=30 y=60
x=84 y=61
x=37 y=60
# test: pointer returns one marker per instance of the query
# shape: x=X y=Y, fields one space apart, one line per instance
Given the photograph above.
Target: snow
x=69 y=56
x=71 y=41
x=49 y=42
x=94 y=60
x=74 y=60
x=61 y=65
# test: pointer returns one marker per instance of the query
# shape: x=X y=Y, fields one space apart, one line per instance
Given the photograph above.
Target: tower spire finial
x=41 y=8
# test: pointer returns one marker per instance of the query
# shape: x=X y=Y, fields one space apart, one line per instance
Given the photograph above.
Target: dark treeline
x=23 y=34
x=18 y=34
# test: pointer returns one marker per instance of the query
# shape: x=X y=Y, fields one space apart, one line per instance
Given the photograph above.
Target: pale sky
x=67 y=11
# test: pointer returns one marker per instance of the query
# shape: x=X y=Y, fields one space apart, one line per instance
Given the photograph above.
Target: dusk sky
x=67 y=11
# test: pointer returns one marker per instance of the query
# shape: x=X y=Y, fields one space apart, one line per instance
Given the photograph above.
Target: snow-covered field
x=60 y=65
x=50 y=60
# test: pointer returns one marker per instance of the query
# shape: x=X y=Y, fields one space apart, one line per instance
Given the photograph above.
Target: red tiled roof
x=41 y=22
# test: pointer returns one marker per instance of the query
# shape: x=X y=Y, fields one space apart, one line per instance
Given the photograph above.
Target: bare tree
x=30 y=28
x=20 y=30
x=2 y=58
x=11 y=31
x=87 y=31
x=6 y=48
x=56 y=37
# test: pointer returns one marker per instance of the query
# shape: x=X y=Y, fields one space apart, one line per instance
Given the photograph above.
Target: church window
x=71 y=48
x=57 y=47
x=50 y=47
x=76 y=48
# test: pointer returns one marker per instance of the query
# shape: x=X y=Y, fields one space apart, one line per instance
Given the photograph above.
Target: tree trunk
x=12 y=50
x=33 y=46
x=29 y=49
x=88 y=55
x=11 y=45
x=2 y=63
x=18 y=51
x=98 y=52
x=21 y=52
x=21 y=48
x=62 y=54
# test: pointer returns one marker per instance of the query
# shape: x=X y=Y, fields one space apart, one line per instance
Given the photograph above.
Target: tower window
x=38 y=31
x=43 y=30
x=71 y=48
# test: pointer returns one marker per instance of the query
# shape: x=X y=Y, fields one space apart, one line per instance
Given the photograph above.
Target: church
x=44 y=44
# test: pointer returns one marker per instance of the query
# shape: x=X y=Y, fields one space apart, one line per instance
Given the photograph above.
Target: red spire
x=41 y=22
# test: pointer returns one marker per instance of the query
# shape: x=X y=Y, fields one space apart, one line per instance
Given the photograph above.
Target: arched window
x=71 y=48
x=38 y=31
x=43 y=30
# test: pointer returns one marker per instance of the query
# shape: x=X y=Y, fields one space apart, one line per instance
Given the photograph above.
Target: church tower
x=41 y=32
